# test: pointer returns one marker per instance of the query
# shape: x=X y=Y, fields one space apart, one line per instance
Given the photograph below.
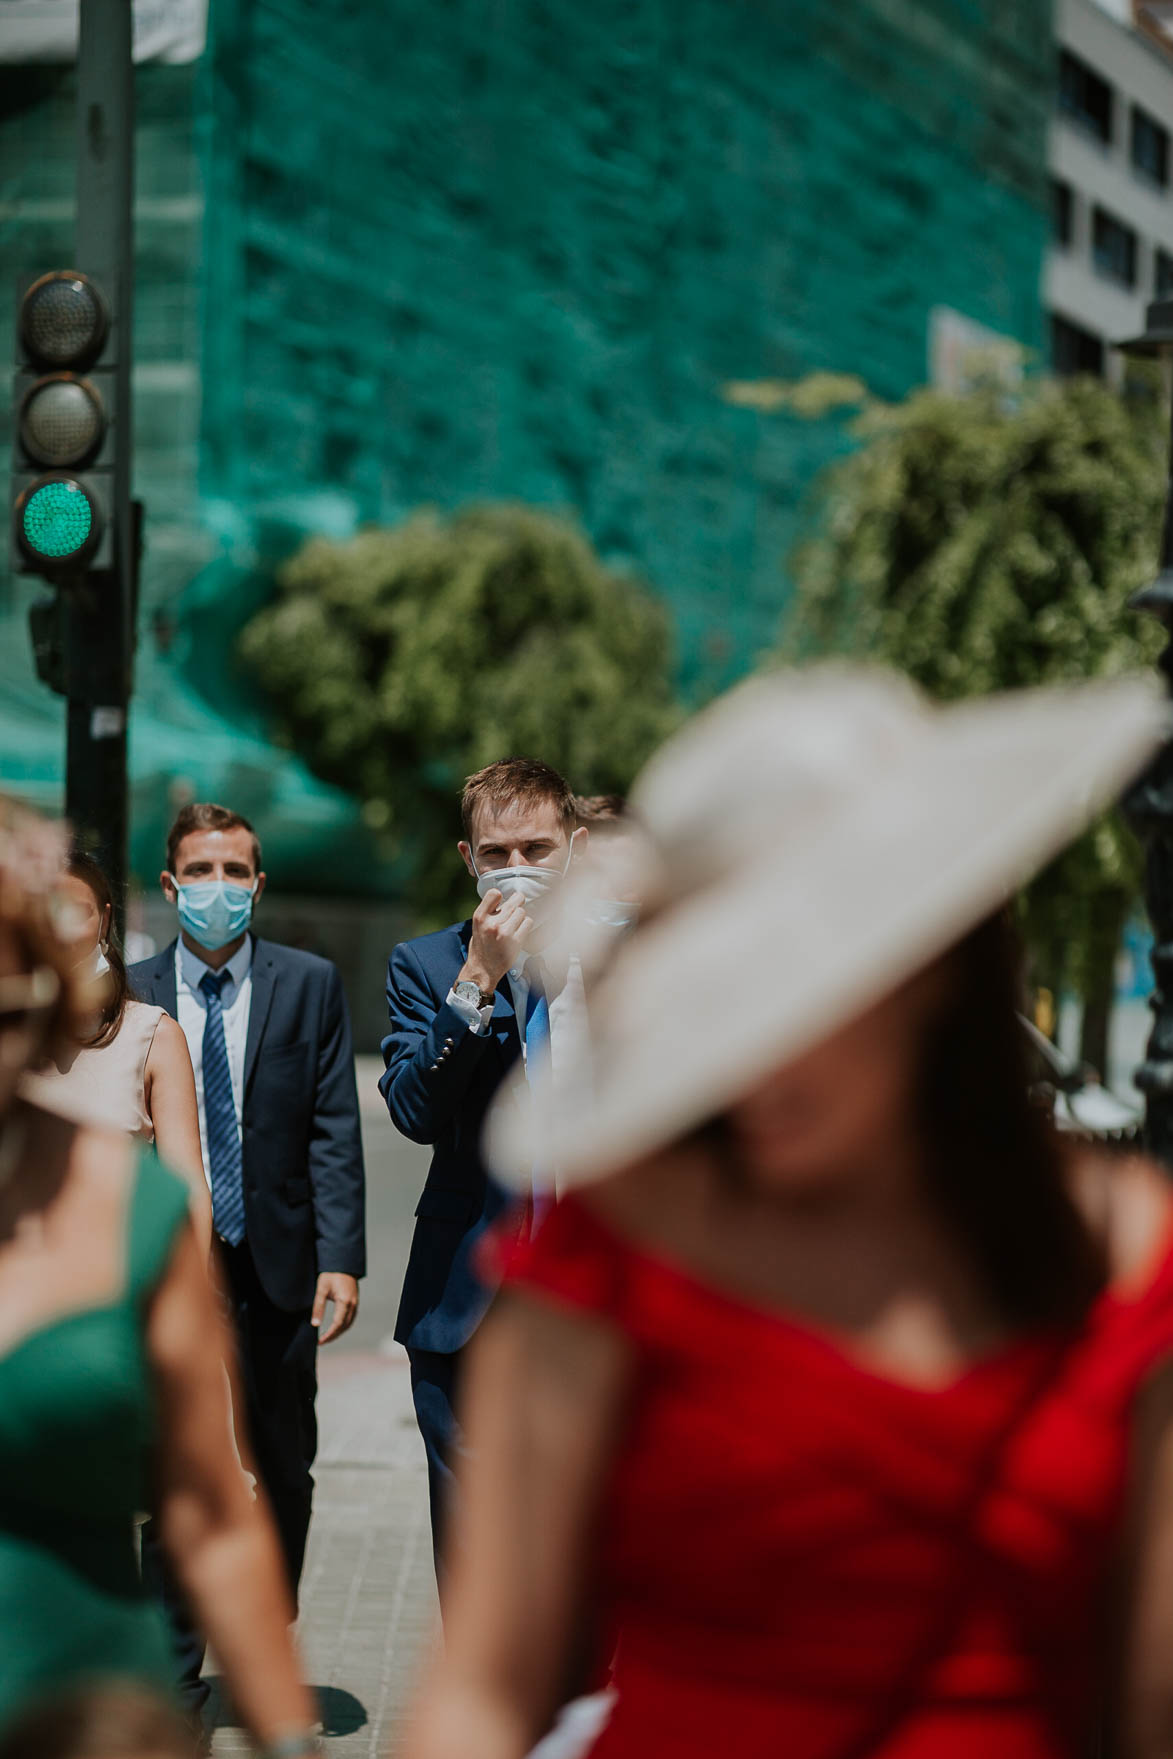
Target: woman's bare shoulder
x=1127 y=1201
x=169 y=1042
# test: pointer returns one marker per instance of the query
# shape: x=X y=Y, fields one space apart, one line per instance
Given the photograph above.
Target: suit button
x=449 y=1042
x=434 y=1067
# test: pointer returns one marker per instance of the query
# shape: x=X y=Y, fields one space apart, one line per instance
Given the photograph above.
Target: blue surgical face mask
x=214 y=912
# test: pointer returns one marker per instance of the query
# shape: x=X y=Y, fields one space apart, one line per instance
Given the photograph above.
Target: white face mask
x=536 y=886
x=612 y=913
x=93 y=964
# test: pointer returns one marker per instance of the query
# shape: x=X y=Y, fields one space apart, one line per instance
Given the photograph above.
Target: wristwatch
x=472 y=992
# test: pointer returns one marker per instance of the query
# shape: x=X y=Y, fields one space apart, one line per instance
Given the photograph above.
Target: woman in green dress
x=111 y=1380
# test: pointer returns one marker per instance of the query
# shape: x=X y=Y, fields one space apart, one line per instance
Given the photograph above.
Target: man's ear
x=261 y=878
x=168 y=885
x=466 y=856
x=578 y=842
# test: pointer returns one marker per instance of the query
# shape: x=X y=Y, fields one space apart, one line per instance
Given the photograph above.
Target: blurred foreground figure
x=130 y=1067
x=818 y=1407
x=114 y=1721
x=111 y=1375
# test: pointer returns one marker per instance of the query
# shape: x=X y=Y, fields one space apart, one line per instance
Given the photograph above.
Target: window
x=1074 y=350
x=1084 y=97
x=1062 y=212
x=1150 y=148
x=1162 y=275
x=1113 y=248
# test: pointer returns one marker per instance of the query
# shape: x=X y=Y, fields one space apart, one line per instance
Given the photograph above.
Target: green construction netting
x=391 y=254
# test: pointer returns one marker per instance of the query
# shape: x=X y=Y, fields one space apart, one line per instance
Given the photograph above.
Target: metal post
x=1150 y=805
x=99 y=633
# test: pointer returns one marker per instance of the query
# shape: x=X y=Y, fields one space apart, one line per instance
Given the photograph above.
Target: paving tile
x=368 y=1595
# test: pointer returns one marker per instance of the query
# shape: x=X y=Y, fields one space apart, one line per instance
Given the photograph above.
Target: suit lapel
x=503 y=1024
x=163 y=982
x=264 y=976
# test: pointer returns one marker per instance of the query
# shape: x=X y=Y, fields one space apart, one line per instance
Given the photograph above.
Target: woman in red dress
x=833 y=1418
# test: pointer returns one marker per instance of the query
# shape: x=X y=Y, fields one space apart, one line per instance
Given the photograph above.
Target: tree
x=403 y=659
x=989 y=541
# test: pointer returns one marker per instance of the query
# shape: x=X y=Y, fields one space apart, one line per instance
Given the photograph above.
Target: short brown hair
x=205 y=815
x=110 y=1721
x=600 y=809
x=521 y=781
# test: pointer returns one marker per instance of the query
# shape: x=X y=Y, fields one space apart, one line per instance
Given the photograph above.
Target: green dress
x=76 y=1431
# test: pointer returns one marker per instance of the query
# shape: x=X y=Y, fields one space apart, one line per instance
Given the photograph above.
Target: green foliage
x=991 y=541
x=402 y=660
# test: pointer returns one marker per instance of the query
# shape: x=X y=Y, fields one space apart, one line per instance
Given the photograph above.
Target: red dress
x=789 y=1560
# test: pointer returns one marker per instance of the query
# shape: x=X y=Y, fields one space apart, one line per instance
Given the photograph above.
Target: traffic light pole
x=99 y=612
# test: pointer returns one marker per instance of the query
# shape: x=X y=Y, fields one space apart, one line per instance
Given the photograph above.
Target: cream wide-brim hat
x=812 y=839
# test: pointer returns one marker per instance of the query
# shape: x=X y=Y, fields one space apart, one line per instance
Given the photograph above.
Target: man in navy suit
x=465 y=1004
x=269 y=1035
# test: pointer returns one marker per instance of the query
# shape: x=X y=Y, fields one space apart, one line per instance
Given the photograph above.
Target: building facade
x=1111 y=180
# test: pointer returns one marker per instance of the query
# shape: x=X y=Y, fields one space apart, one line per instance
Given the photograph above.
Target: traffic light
x=66 y=429
x=72 y=520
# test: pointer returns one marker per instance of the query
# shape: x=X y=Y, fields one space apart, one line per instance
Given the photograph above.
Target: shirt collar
x=191 y=968
x=555 y=965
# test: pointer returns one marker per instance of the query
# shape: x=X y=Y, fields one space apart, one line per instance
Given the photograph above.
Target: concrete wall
x=358 y=934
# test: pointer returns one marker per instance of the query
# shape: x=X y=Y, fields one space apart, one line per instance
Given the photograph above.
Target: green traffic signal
x=58 y=522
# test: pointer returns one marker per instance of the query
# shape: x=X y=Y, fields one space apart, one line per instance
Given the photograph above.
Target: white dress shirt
x=478 y=1018
x=192 y=1010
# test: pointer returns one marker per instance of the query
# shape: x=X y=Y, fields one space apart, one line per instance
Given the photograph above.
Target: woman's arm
x=543 y=1402
x=171 y=1104
x=222 y=1543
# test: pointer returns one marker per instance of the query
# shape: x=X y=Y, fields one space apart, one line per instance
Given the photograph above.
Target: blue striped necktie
x=537 y=1032
x=224 y=1159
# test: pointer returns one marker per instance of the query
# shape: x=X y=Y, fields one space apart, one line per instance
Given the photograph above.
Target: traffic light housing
x=66 y=429
x=72 y=519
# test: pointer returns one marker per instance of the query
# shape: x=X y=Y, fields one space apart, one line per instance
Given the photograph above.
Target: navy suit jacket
x=304 y=1184
x=439 y=1081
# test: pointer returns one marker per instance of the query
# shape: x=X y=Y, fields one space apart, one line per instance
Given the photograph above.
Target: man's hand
x=497 y=942
x=336 y=1286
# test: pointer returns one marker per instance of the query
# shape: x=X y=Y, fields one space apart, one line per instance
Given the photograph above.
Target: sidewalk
x=368 y=1597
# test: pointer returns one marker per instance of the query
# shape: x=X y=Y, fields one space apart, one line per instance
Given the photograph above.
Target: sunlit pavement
x=368 y=1600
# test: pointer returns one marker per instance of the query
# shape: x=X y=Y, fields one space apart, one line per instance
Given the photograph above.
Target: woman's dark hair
x=86 y=869
x=995 y=1162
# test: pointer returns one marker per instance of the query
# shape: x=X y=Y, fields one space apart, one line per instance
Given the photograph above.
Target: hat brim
x=715 y=992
